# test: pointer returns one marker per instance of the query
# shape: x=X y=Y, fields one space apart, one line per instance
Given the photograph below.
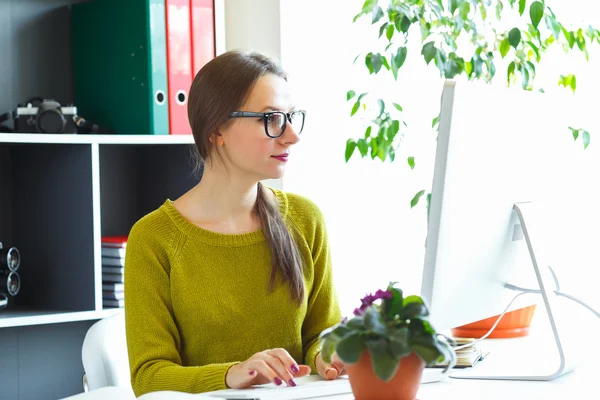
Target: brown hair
x=221 y=87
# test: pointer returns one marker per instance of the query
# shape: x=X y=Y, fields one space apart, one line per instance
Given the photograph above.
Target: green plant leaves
x=327 y=350
x=522 y=4
x=415 y=199
x=389 y=32
x=373 y=62
x=504 y=47
x=536 y=12
x=377 y=14
x=414 y=307
x=398 y=106
x=355 y=108
x=585 y=136
x=399 y=342
x=514 y=37
x=411 y=162
x=384 y=364
x=398 y=60
x=350 y=348
x=428 y=51
x=374 y=322
x=363 y=147
x=350 y=146
x=393 y=306
x=425 y=346
x=568 y=81
x=350 y=94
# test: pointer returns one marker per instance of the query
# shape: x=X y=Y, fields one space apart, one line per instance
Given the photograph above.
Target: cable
x=557 y=292
x=529 y=291
x=466 y=346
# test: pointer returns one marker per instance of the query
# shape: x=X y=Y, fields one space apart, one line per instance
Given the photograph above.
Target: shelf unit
x=59 y=194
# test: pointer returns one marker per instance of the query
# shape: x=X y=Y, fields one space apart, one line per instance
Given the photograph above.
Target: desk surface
x=581 y=384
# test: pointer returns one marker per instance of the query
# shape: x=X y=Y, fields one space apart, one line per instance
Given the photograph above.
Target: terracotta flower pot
x=403 y=386
x=514 y=324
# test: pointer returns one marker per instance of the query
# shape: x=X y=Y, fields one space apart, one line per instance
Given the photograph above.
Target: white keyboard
x=308 y=388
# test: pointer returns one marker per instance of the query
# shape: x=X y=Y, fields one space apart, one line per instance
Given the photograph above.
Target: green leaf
x=504 y=47
x=384 y=61
x=514 y=37
x=398 y=106
x=568 y=81
x=435 y=121
x=350 y=348
x=374 y=322
x=350 y=94
x=499 y=8
x=360 y=97
x=358 y=322
x=570 y=36
x=355 y=108
x=368 y=131
x=585 y=136
x=553 y=26
x=383 y=363
x=465 y=9
x=393 y=306
x=389 y=33
x=536 y=12
x=398 y=60
x=368 y=5
x=350 y=146
x=399 y=346
x=381 y=106
x=377 y=62
x=429 y=51
x=453 y=6
x=382 y=29
x=404 y=24
x=415 y=199
x=522 y=4
x=575 y=132
x=525 y=78
x=363 y=147
x=425 y=347
x=377 y=14
x=327 y=350
x=510 y=71
x=411 y=162
x=414 y=307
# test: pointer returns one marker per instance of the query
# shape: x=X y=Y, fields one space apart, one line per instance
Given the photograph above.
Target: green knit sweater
x=197 y=302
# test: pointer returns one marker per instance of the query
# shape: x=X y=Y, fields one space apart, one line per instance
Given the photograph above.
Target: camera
x=10 y=281
x=45 y=116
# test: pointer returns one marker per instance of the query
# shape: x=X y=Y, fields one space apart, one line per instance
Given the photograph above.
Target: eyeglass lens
x=277 y=121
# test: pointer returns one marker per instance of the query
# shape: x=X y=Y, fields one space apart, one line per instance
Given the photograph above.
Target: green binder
x=120 y=64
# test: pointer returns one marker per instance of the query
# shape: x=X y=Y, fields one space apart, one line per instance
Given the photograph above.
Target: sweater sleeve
x=323 y=310
x=153 y=340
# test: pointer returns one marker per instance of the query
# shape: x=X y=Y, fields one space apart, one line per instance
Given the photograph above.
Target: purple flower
x=358 y=311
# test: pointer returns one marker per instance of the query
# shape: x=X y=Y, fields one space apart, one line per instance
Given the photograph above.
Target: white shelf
x=10 y=318
x=89 y=139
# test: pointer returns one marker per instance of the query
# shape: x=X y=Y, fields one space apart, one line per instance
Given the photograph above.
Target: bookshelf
x=59 y=194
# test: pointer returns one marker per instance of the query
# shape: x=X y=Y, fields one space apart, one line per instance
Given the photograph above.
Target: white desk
x=582 y=384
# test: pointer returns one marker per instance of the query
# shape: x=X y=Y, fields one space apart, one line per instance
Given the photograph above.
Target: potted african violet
x=386 y=345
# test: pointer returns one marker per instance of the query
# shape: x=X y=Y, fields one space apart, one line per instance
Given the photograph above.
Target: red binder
x=202 y=20
x=179 y=64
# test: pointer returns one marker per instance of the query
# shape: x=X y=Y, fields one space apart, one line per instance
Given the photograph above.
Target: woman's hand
x=330 y=371
x=274 y=365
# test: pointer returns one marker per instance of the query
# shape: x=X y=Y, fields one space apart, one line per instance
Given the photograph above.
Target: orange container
x=514 y=324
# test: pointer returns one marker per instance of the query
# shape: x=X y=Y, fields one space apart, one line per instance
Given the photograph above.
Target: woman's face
x=244 y=144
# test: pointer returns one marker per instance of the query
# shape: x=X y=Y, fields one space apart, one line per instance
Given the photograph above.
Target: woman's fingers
x=262 y=367
x=285 y=366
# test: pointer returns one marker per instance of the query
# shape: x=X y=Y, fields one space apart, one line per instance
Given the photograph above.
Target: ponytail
x=285 y=254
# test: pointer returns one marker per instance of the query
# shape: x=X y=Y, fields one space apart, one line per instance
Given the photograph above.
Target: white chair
x=104 y=354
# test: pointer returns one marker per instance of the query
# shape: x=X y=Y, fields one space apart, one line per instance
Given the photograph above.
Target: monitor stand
x=513 y=359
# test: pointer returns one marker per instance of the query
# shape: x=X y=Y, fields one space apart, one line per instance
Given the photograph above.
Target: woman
x=231 y=284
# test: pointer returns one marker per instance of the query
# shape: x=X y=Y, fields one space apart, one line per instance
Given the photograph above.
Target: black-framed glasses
x=275 y=121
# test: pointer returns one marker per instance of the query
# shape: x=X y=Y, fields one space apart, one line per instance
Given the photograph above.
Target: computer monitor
x=502 y=154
